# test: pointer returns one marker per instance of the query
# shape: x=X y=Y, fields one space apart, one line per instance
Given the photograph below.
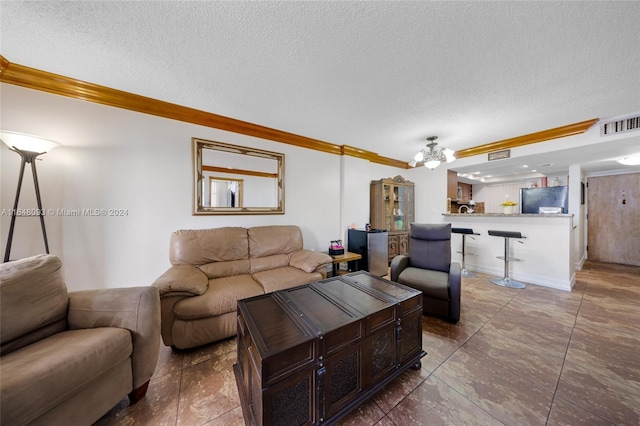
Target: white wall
x=352 y=197
x=431 y=193
x=117 y=159
x=357 y=175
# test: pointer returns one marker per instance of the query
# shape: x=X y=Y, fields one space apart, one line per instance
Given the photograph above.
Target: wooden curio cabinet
x=393 y=209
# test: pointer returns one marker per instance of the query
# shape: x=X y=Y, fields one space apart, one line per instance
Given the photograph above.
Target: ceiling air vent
x=620 y=126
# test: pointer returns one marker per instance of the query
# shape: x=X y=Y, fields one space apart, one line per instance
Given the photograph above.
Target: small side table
x=340 y=258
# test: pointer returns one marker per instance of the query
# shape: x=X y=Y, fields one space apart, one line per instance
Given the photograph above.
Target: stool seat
x=507 y=235
x=464 y=232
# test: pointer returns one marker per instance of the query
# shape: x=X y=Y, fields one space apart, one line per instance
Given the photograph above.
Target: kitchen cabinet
x=459 y=192
x=452 y=184
x=466 y=192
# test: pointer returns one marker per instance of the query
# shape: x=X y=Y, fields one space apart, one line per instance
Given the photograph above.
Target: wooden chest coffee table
x=310 y=354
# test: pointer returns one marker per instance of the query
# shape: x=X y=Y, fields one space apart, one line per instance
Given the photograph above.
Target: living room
x=141 y=164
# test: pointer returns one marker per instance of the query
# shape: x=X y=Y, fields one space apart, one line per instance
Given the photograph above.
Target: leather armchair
x=69 y=357
x=428 y=268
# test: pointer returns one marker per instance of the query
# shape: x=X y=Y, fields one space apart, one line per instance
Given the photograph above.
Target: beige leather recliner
x=214 y=268
x=69 y=357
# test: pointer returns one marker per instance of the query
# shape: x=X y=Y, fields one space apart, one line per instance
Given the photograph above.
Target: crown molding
x=373 y=157
x=542 y=136
x=32 y=78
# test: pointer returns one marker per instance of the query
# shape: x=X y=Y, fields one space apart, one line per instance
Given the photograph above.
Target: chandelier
x=432 y=157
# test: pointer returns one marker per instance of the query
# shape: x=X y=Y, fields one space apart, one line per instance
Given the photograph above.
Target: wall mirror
x=232 y=179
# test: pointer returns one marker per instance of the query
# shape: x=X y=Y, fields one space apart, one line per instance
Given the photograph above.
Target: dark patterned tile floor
x=534 y=356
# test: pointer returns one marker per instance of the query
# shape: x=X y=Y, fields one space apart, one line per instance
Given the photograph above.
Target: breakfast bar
x=546 y=255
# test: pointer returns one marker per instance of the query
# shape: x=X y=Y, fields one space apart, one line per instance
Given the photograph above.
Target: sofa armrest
x=136 y=308
x=182 y=280
x=398 y=264
x=309 y=260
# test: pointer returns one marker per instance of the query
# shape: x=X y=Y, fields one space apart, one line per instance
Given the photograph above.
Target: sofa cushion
x=33 y=296
x=269 y=240
x=287 y=277
x=434 y=284
x=269 y=262
x=40 y=376
x=200 y=246
x=220 y=298
x=226 y=269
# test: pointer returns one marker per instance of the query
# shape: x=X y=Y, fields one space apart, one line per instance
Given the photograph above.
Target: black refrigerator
x=531 y=199
x=373 y=246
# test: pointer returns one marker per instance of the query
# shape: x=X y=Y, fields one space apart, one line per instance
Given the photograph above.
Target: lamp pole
x=27 y=157
x=29 y=147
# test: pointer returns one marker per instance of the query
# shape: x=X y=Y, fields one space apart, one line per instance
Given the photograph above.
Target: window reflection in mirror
x=231 y=179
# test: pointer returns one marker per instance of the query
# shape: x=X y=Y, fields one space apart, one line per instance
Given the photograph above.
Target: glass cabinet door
x=399 y=214
x=410 y=208
x=387 y=206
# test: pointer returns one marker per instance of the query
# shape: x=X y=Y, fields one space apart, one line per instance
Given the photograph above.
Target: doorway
x=613 y=225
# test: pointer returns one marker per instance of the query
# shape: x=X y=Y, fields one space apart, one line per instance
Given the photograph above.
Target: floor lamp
x=29 y=147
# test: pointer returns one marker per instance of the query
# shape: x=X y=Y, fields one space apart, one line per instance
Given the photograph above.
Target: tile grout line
x=555 y=392
x=459 y=347
x=182 y=367
x=575 y=321
x=431 y=373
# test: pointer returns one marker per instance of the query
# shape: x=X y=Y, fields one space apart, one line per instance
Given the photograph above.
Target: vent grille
x=620 y=126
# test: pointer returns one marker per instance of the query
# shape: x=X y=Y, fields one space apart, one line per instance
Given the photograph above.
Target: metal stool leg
x=466 y=273
x=506 y=281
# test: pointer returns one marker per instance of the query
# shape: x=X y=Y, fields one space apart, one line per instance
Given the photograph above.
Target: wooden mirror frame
x=198 y=174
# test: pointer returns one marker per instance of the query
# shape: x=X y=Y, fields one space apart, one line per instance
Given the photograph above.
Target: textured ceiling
x=382 y=76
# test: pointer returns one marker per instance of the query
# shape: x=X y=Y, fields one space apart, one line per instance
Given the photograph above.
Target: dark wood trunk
x=310 y=354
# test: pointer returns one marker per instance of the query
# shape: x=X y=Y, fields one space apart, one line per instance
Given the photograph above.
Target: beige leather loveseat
x=213 y=268
x=68 y=358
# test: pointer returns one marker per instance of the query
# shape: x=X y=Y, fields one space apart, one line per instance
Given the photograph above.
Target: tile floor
x=517 y=357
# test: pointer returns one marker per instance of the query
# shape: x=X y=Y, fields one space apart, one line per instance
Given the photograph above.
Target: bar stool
x=506 y=281
x=465 y=232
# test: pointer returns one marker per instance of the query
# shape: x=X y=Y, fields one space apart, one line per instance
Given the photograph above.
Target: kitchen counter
x=546 y=253
x=544 y=215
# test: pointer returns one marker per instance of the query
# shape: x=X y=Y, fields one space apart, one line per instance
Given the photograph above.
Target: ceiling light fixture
x=434 y=156
x=634 y=160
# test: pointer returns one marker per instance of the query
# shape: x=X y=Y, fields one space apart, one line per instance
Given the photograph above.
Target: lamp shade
x=450 y=155
x=432 y=164
x=24 y=142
